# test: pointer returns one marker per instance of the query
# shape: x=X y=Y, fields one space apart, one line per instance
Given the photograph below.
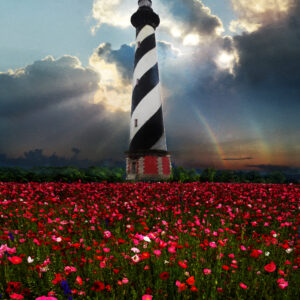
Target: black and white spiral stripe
x=147 y=133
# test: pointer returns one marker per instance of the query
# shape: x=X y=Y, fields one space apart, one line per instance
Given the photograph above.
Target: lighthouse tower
x=147 y=157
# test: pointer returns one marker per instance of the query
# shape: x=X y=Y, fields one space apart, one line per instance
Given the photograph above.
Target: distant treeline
x=100 y=174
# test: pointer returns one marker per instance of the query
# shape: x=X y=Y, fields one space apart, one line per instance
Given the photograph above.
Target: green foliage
x=101 y=174
x=62 y=174
x=183 y=175
x=208 y=175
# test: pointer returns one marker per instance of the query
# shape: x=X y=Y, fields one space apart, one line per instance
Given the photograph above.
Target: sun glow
x=226 y=60
x=176 y=32
x=112 y=92
x=191 y=39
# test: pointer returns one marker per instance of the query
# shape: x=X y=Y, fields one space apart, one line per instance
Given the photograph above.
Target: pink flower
x=147 y=297
x=243 y=286
x=107 y=234
x=102 y=264
x=106 y=250
x=282 y=283
x=45 y=298
x=36 y=241
x=212 y=244
x=172 y=249
x=243 y=248
x=125 y=280
x=135 y=250
x=157 y=252
x=69 y=270
x=207 y=271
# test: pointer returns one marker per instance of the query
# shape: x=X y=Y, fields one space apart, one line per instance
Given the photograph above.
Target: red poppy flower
x=78 y=280
x=164 y=275
x=16 y=296
x=98 y=286
x=190 y=281
x=256 y=253
x=182 y=287
x=13 y=287
x=15 y=260
x=145 y=255
x=226 y=268
x=148 y=291
x=182 y=264
x=58 y=278
x=271 y=267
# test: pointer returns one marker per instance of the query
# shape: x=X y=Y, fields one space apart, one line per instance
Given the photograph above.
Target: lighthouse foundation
x=148 y=166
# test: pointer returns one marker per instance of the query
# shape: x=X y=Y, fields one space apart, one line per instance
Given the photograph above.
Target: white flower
x=267 y=253
x=135 y=250
x=135 y=258
x=44 y=269
x=59 y=239
x=288 y=250
x=146 y=239
x=166 y=262
x=30 y=260
x=274 y=235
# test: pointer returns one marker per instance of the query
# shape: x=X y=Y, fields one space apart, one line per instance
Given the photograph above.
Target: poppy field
x=149 y=241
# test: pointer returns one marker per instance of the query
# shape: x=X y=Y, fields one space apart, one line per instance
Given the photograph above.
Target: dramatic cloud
x=191 y=20
x=49 y=105
x=252 y=14
x=44 y=83
x=270 y=57
x=188 y=20
x=115 y=68
x=115 y=88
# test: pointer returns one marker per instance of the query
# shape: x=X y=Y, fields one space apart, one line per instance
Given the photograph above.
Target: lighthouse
x=147 y=157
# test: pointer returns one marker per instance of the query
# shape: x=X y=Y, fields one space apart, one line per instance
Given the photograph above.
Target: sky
x=229 y=72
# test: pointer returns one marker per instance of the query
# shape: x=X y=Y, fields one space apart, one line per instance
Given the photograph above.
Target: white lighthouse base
x=148 y=167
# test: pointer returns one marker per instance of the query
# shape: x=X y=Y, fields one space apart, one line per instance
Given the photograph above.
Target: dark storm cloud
x=195 y=16
x=270 y=57
x=36 y=158
x=50 y=106
x=44 y=83
x=123 y=58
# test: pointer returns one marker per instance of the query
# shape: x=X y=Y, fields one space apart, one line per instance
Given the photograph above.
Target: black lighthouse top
x=145 y=15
